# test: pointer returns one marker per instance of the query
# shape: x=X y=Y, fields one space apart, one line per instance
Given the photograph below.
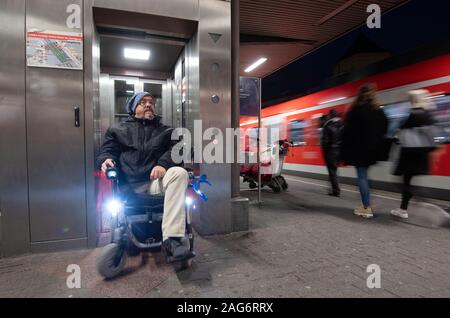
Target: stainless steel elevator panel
x=177 y=77
x=167 y=103
x=91 y=108
x=214 y=47
x=13 y=164
x=184 y=9
x=192 y=71
x=56 y=147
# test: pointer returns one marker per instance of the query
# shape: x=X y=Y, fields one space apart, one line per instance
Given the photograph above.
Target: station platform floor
x=301 y=243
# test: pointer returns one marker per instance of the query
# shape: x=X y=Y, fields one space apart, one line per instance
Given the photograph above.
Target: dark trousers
x=332 y=161
x=406 y=191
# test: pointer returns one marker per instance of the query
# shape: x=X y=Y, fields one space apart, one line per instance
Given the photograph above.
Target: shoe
x=174 y=249
x=364 y=212
x=400 y=213
x=334 y=194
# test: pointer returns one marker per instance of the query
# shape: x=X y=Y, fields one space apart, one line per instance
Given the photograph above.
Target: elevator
x=53 y=116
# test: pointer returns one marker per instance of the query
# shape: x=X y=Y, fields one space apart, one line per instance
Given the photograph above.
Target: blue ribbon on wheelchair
x=195 y=185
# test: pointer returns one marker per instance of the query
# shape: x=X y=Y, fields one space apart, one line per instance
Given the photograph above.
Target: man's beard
x=149 y=115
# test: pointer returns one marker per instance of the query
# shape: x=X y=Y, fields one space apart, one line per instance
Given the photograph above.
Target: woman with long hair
x=417 y=162
x=363 y=141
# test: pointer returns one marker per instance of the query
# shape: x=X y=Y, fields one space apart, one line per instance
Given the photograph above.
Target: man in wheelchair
x=140 y=148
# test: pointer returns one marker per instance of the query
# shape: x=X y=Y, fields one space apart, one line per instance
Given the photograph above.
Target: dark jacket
x=415 y=162
x=137 y=146
x=332 y=134
x=364 y=136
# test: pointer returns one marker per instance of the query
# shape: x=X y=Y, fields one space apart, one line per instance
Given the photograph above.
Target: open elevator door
x=172 y=48
x=172 y=61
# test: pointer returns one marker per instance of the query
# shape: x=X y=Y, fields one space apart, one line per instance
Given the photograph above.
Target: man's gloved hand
x=157 y=172
x=108 y=163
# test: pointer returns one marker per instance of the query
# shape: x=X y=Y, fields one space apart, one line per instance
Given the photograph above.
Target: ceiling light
x=332 y=100
x=136 y=54
x=435 y=96
x=249 y=122
x=255 y=65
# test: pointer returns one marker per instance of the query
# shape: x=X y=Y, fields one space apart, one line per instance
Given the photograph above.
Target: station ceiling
x=285 y=30
x=281 y=31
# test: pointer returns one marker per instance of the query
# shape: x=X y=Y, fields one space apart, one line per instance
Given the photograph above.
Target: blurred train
x=299 y=121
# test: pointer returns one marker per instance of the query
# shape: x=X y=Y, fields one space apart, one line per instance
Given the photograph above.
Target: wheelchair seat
x=137 y=199
x=144 y=204
x=144 y=214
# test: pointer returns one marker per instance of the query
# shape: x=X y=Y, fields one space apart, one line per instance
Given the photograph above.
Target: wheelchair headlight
x=188 y=201
x=111 y=174
x=113 y=207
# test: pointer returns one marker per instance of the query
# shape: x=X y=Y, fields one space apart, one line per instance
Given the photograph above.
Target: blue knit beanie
x=134 y=101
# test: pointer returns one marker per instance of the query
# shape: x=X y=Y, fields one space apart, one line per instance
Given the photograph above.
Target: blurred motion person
x=364 y=131
x=331 y=145
x=413 y=162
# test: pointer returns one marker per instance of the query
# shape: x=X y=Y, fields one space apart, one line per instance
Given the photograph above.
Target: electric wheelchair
x=136 y=221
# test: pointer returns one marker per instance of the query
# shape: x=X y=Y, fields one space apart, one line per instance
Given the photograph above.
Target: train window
x=397 y=114
x=297 y=132
x=441 y=115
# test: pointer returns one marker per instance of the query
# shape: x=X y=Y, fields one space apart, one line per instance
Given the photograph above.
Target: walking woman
x=413 y=162
x=363 y=141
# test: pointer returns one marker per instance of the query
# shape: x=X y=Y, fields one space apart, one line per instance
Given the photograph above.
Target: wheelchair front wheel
x=111 y=260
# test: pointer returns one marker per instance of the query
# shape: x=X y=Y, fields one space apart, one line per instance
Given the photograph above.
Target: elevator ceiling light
x=255 y=65
x=136 y=54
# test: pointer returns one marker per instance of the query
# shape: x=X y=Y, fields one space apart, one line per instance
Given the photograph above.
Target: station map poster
x=54 y=49
x=249 y=96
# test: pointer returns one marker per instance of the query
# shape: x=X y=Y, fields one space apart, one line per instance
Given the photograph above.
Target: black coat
x=363 y=142
x=137 y=146
x=414 y=162
x=332 y=134
x=331 y=141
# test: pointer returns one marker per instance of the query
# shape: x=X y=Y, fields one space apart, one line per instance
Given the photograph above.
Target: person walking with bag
x=363 y=141
x=414 y=157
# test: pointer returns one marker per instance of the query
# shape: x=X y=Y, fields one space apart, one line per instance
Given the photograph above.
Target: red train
x=298 y=120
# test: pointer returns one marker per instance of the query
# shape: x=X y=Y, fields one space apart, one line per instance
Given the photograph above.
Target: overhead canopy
x=285 y=30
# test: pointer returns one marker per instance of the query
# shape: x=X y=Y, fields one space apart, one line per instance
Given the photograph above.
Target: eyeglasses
x=143 y=103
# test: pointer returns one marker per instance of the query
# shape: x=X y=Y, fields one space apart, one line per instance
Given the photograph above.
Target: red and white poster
x=54 y=49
